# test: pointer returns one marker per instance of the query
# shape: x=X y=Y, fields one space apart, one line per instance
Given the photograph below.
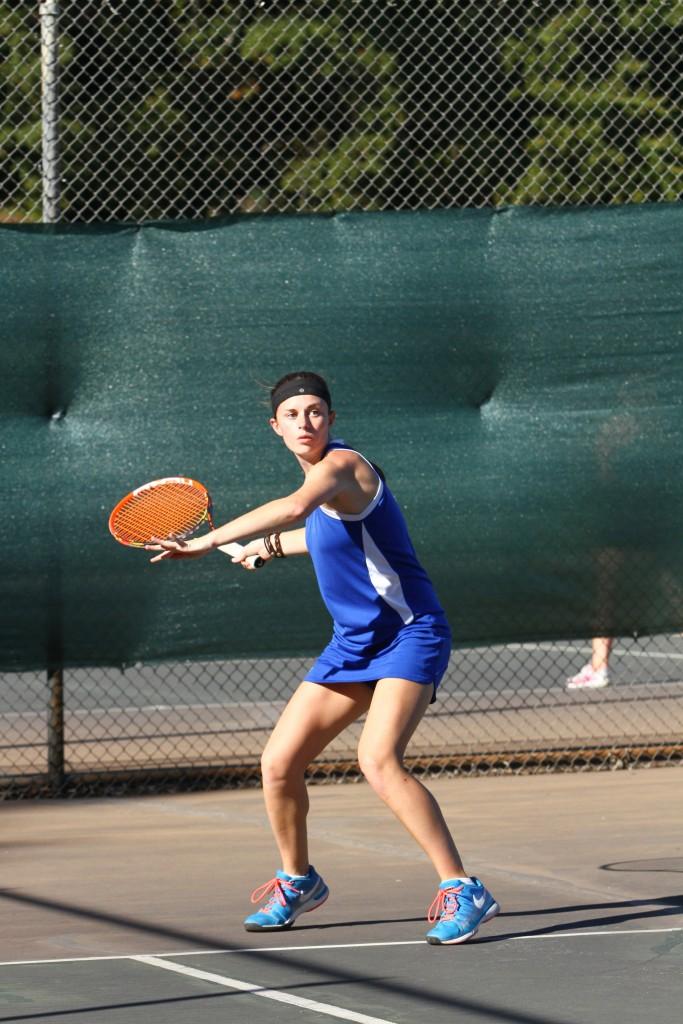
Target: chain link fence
x=501 y=709
x=194 y=108
x=140 y=109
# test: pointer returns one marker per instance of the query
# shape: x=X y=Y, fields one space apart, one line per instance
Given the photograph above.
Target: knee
x=277 y=768
x=379 y=768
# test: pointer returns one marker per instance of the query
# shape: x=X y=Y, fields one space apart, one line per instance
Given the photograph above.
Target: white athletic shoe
x=589 y=679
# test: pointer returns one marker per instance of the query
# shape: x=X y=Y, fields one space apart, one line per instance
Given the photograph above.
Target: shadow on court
x=656 y=908
x=393 y=988
x=668 y=865
x=473 y=1010
x=130 y=910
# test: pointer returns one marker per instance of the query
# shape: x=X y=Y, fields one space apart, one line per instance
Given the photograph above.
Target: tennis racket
x=172 y=508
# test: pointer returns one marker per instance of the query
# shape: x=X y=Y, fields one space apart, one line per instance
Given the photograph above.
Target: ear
x=275 y=425
x=331 y=417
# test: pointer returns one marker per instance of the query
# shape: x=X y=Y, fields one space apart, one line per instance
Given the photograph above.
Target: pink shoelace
x=445 y=903
x=275 y=887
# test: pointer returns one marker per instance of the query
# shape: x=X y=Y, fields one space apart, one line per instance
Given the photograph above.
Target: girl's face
x=303 y=423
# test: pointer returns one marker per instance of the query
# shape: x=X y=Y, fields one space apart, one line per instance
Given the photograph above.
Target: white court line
x=587 y=935
x=211 y=952
x=312 y=949
x=550 y=648
x=259 y=990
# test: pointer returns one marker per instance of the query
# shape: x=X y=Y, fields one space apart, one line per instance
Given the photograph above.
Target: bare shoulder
x=351 y=465
x=360 y=481
x=344 y=458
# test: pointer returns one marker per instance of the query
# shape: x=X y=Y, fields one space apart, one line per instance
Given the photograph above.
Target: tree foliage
x=189 y=108
x=603 y=91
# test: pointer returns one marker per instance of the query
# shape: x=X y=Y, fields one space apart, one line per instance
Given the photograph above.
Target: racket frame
x=232 y=550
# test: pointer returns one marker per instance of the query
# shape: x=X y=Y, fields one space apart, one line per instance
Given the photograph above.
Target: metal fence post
x=49 y=76
x=49 y=62
x=55 y=729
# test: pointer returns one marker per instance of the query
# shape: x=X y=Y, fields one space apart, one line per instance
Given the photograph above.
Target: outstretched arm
x=324 y=481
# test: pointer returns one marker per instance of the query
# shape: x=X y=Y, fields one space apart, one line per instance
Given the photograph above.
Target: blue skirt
x=418 y=651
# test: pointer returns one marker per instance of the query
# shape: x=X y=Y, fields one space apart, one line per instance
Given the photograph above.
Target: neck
x=308 y=464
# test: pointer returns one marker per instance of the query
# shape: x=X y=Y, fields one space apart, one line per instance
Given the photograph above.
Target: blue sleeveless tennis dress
x=387 y=618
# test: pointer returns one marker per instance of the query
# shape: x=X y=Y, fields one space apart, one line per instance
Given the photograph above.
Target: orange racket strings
x=171 y=508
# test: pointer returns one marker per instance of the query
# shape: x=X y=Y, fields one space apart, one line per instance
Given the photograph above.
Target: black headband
x=303 y=385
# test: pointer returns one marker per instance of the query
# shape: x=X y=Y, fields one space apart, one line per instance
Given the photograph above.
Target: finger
x=164 y=554
x=164 y=544
x=176 y=538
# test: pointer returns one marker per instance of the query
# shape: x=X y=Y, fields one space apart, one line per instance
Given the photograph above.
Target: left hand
x=254 y=547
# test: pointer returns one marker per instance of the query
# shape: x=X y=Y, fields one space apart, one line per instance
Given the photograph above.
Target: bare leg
x=313 y=717
x=396 y=709
x=602 y=648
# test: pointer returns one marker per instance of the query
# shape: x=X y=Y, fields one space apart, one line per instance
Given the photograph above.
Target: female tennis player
x=388 y=653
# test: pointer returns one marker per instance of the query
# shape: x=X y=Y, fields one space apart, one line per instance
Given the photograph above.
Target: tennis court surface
x=129 y=910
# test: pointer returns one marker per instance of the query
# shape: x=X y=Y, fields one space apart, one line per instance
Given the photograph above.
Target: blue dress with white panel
x=387 y=618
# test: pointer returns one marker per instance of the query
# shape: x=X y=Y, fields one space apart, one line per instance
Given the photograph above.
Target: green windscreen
x=518 y=374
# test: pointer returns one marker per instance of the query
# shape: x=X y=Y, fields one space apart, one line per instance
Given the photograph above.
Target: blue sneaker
x=288 y=897
x=458 y=909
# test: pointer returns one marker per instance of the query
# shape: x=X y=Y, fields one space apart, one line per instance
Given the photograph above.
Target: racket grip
x=236 y=549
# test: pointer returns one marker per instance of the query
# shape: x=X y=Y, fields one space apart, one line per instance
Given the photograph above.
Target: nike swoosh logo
x=479 y=901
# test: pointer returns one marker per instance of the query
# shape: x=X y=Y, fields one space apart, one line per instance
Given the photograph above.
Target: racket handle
x=236 y=549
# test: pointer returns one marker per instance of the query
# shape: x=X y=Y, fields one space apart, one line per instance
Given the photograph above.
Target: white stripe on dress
x=384 y=579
